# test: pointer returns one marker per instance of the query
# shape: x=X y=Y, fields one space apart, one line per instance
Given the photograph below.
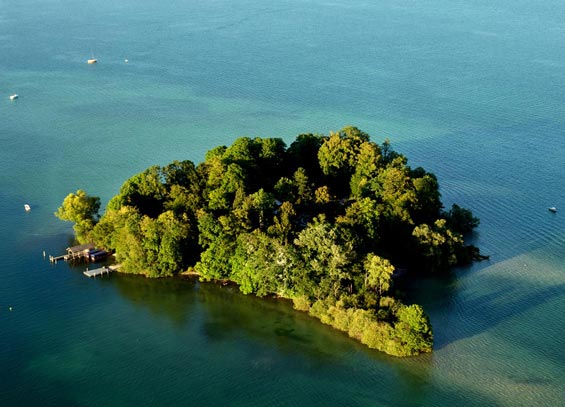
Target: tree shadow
x=506 y=299
x=172 y=298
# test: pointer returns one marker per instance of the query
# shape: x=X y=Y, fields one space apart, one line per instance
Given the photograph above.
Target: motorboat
x=552 y=209
x=27 y=207
x=14 y=96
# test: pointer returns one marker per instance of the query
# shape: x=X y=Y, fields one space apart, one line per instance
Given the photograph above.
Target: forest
x=328 y=222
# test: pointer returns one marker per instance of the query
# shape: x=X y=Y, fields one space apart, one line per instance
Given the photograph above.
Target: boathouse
x=80 y=251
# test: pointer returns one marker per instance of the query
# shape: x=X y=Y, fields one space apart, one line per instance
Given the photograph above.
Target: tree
x=303 y=186
x=263 y=204
x=182 y=201
x=322 y=195
x=388 y=153
x=326 y=258
x=437 y=245
x=129 y=242
x=271 y=160
x=338 y=157
x=144 y=191
x=260 y=264
x=285 y=190
x=301 y=153
x=244 y=151
x=413 y=330
x=427 y=205
x=81 y=209
x=363 y=218
x=461 y=220
x=367 y=165
x=395 y=189
x=378 y=273
x=104 y=232
x=231 y=179
x=216 y=152
x=182 y=174
x=214 y=262
x=283 y=222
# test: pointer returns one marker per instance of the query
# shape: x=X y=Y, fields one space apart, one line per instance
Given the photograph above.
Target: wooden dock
x=82 y=253
x=74 y=253
x=55 y=259
x=99 y=271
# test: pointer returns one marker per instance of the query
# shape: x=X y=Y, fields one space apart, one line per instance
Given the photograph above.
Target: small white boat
x=27 y=207
x=92 y=61
x=126 y=61
x=552 y=209
x=14 y=96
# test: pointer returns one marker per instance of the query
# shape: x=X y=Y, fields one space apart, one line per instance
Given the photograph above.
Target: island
x=327 y=222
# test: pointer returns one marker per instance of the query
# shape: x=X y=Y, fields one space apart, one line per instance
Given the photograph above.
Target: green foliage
x=395 y=189
x=322 y=222
x=302 y=303
x=129 y=241
x=437 y=245
x=325 y=258
x=303 y=186
x=214 y=262
x=363 y=218
x=367 y=165
x=216 y=152
x=427 y=204
x=144 y=191
x=338 y=157
x=153 y=247
x=105 y=232
x=378 y=273
x=260 y=265
x=302 y=152
x=461 y=220
x=81 y=209
x=413 y=330
x=283 y=223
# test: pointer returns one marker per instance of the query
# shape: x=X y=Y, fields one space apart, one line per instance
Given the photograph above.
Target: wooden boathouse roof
x=80 y=248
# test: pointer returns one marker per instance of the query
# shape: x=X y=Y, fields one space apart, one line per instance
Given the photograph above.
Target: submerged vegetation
x=325 y=222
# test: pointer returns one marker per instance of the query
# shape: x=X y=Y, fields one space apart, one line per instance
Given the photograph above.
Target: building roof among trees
x=80 y=248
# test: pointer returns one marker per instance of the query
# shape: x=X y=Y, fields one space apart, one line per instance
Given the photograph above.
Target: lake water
x=472 y=90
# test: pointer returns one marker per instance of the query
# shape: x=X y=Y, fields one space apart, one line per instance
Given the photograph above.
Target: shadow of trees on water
x=504 y=298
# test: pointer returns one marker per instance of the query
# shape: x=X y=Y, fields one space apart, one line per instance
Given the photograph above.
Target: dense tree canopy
x=324 y=222
x=82 y=210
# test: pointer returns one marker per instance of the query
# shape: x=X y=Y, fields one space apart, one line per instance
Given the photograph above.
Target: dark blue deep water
x=472 y=90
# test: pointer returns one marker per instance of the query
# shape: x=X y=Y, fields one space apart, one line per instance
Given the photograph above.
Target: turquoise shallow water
x=470 y=90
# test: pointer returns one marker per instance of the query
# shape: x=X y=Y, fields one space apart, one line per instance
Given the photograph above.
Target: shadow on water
x=166 y=297
x=498 y=299
x=268 y=324
x=224 y=314
x=273 y=322
x=508 y=300
x=268 y=337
